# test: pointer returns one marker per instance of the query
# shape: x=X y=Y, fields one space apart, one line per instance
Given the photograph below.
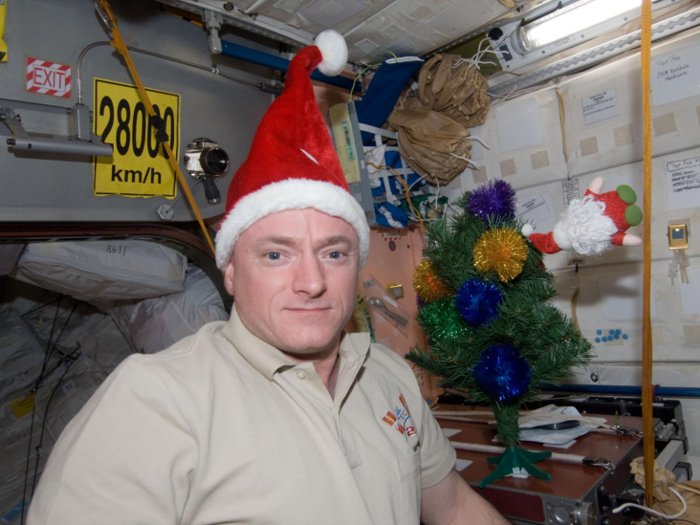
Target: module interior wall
x=618 y=139
x=44 y=187
x=396 y=266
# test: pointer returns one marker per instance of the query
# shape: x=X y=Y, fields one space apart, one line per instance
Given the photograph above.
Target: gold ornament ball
x=428 y=285
x=501 y=250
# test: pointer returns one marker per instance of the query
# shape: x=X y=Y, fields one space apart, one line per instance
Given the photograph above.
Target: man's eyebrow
x=289 y=241
x=275 y=239
x=337 y=239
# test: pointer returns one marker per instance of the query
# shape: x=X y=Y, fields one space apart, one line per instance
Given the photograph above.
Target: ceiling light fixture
x=575 y=22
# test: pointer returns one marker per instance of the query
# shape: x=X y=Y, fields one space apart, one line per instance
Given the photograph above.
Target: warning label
x=48 y=78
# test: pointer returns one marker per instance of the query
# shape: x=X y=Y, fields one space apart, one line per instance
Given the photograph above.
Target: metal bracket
x=213 y=22
x=81 y=142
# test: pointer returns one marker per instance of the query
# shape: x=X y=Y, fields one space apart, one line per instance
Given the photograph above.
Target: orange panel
x=396 y=266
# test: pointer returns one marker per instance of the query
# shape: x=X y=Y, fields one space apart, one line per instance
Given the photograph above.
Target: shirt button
x=301 y=375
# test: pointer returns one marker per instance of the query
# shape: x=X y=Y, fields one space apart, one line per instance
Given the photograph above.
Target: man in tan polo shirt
x=276 y=416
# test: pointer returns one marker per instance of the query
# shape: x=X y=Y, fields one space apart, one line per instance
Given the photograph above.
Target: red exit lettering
x=49 y=78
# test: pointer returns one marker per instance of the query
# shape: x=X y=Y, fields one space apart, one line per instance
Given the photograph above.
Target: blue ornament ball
x=478 y=301
x=502 y=372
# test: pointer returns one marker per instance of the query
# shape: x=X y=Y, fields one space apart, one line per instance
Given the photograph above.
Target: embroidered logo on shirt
x=400 y=419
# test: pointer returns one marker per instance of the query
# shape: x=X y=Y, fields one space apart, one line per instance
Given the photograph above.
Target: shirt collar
x=267 y=359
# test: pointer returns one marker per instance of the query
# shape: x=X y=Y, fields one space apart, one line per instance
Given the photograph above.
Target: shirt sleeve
x=127 y=457
x=437 y=454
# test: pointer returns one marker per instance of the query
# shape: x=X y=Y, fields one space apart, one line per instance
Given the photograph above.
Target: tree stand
x=516 y=458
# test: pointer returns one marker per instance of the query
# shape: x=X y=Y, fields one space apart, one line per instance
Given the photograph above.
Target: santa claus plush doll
x=594 y=224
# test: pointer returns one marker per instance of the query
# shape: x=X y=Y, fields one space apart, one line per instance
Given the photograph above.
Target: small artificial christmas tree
x=483 y=292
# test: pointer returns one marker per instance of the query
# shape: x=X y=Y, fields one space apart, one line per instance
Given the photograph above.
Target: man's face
x=293 y=275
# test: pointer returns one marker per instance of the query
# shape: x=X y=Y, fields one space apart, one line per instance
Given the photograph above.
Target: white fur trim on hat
x=584 y=227
x=334 y=51
x=292 y=194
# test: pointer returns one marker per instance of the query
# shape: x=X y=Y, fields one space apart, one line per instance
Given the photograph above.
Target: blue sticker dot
x=605 y=339
x=618 y=332
x=597 y=339
x=617 y=336
x=611 y=332
x=599 y=332
x=624 y=336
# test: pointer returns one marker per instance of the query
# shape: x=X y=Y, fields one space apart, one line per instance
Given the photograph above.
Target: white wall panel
x=524 y=136
x=602 y=107
x=610 y=298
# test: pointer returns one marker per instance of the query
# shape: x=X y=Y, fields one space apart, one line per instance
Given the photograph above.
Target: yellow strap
x=120 y=46
x=562 y=118
x=647 y=351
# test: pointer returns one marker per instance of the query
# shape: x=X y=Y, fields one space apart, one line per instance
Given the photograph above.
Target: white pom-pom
x=527 y=229
x=334 y=51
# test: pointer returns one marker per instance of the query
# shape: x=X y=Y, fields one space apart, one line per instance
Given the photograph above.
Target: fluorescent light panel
x=573 y=19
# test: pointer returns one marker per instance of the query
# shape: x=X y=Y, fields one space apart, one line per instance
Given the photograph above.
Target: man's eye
x=335 y=255
x=274 y=256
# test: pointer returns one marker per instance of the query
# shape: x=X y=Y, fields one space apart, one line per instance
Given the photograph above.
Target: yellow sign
x=139 y=167
x=3 y=45
x=22 y=406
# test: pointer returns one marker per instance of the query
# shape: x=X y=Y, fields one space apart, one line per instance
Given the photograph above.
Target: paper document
x=553 y=414
x=683 y=183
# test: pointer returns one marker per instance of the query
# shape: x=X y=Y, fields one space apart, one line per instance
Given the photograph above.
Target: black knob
x=214 y=161
x=496 y=33
x=211 y=191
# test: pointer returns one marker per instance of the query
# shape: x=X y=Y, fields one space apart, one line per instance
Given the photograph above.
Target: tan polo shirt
x=223 y=428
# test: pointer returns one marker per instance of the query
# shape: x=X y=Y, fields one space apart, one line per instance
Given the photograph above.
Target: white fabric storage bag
x=21 y=356
x=99 y=271
x=156 y=324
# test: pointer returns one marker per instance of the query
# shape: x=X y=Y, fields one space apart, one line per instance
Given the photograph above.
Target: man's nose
x=310 y=278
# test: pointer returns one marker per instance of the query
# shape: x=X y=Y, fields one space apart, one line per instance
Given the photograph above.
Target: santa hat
x=292 y=164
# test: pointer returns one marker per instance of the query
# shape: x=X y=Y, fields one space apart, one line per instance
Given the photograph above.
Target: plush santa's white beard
x=584 y=228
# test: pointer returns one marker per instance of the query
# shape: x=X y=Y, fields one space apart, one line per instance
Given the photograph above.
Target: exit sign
x=48 y=78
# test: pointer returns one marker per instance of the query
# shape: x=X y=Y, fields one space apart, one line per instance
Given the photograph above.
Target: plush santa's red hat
x=292 y=163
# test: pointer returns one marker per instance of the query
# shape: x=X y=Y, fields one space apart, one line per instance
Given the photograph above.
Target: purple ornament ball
x=494 y=198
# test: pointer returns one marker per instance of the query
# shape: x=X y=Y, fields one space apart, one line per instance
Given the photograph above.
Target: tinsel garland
x=428 y=285
x=477 y=301
x=441 y=320
x=501 y=250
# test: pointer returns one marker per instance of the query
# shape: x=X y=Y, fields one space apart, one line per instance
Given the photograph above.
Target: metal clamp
x=627 y=431
x=597 y=461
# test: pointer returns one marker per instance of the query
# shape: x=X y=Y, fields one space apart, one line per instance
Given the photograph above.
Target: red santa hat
x=292 y=164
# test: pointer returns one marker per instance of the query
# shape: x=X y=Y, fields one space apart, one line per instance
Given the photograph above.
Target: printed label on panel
x=571 y=191
x=139 y=167
x=538 y=211
x=600 y=106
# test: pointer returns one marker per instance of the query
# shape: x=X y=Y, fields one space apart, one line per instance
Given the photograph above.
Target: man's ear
x=228 y=277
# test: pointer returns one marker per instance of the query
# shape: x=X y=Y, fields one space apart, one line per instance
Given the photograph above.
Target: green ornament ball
x=441 y=320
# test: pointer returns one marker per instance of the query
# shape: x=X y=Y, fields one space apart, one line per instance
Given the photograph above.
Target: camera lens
x=214 y=161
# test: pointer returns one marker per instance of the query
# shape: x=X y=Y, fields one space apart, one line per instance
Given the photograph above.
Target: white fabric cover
x=155 y=324
x=21 y=355
x=101 y=271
